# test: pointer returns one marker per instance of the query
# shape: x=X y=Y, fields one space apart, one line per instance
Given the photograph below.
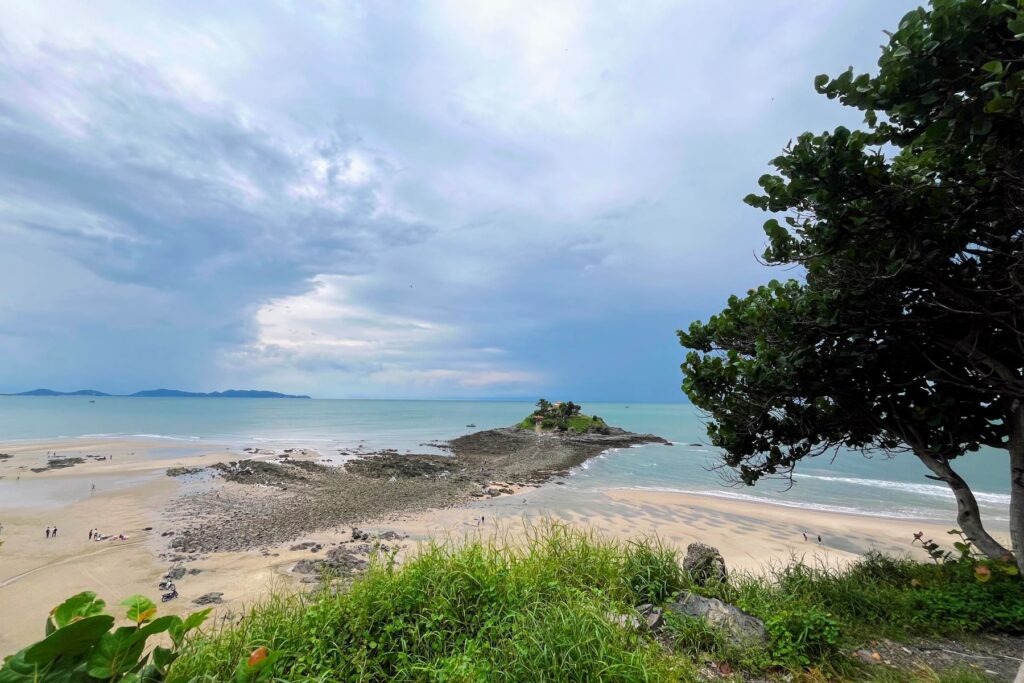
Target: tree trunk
x=1016 y=448
x=968 y=516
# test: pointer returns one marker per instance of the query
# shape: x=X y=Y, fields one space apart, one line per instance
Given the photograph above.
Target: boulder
x=209 y=599
x=651 y=616
x=704 y=564
x=738 y=626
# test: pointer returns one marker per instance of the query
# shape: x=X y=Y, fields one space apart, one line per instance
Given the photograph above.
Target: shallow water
x=882 y=486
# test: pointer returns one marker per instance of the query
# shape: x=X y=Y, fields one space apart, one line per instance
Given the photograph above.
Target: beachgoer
x=47 y=532
x=90 y=534
x=805 y=537
x=54 y=532
x=819 y=539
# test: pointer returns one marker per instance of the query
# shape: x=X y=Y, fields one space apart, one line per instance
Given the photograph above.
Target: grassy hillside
x=546 y=611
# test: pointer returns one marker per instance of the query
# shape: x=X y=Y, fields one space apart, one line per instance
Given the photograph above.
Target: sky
x=394 y=199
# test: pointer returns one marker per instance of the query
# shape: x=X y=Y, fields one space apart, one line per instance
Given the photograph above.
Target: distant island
x=164 y=393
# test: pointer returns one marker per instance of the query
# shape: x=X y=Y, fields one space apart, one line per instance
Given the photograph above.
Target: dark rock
x=307 y=566
x=360 y=535
x=59 y=463
x=307 y=545
x=652 y=616
x=339 y=561
x=182 y=471
x=209 y=599
x=704 y=564
x=738 y=626
x=175 y=573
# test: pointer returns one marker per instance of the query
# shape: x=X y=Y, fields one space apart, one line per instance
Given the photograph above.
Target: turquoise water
x=893 y=487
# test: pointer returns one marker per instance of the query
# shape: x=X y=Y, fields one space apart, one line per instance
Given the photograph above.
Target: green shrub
x=651 y=572
x=80 y=645
x=801 y=636
x=477 y=610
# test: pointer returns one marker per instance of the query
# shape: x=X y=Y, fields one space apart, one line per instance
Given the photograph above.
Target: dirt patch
x=998 y=656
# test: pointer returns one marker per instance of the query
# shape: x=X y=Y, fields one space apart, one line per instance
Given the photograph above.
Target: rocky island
x=259 y=502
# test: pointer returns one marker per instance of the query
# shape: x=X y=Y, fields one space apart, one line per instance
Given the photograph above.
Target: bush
x=475 y=611
x=802 y=636
x=80 y=645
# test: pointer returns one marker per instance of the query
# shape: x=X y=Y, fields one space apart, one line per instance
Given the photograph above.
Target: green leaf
x=192 y=621
x=74 y=639
x=140 y=608
x=820 y=80
x=159 y=625
x=117 y=653
x=162 y=657
x=993 y=67
x=999 y=103
x=981 y=126
x=79 y=606
x=17 y=670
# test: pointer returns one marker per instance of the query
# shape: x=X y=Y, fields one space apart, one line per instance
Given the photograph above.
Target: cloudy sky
x=393 y=199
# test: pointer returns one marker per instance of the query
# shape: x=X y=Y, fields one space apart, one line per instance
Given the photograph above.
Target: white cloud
x=324 y=328
x=340 y=197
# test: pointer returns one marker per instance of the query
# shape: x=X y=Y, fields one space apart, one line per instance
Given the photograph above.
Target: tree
x=907 y=329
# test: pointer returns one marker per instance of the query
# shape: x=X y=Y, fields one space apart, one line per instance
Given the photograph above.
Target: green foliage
x=652 y=571
x=802 y=636
x=541 y=611
x=563 y=417
x=80 y=646
x=904 y=330
x=478 y=610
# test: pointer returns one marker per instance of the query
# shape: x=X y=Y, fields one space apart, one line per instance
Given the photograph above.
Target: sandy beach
x=134 y=496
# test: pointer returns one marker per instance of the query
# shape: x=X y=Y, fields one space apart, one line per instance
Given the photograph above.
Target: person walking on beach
x=805 y=537
x=47 y=532
x=90 y=534
x=54 y=534
x=819 y=539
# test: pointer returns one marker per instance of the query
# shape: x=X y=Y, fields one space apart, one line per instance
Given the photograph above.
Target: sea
x=849 y=482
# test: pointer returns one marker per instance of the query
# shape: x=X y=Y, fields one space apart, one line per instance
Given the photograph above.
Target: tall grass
x=537 y=610
x=543 y=608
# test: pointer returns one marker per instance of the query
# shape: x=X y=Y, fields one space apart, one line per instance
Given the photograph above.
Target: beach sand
x=133 y=493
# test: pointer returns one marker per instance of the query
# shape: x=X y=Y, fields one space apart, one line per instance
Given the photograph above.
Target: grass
x=542 y=610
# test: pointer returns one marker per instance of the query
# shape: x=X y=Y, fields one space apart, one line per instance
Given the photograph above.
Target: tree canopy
x=906 y=331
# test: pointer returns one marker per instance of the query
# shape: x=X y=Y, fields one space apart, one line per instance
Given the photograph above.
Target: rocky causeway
x=255 y=503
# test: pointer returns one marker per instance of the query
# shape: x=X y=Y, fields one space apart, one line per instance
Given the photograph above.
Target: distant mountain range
x=162 y=393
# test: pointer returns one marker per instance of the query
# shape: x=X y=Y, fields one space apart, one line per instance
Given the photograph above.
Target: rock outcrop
x=704 y=564
x=738 y=626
